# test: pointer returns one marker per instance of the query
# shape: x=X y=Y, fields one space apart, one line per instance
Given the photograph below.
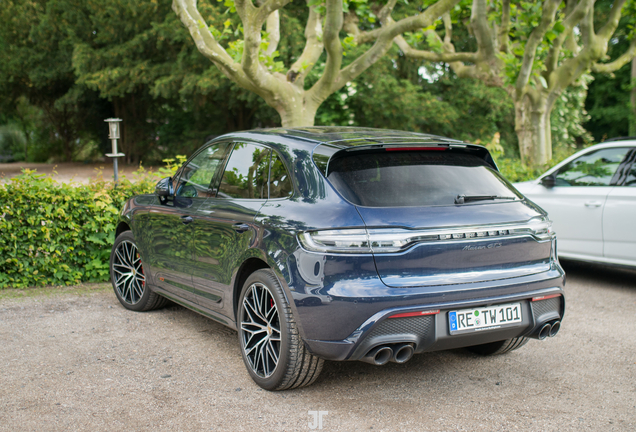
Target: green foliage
x=608 y=101
x=59 y=234
x=569 y=115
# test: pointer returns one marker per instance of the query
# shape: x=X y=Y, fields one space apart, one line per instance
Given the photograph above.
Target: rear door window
x=246 y=172
x=414 y=178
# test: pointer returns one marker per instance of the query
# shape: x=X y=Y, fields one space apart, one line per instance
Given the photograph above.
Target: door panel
x=577 y=214
x=169 y=242
x=219 y=245
x=224 y=228
x=619 y=218
x=170 y=229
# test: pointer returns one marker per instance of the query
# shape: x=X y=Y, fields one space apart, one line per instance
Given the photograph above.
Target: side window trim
x=269 y=177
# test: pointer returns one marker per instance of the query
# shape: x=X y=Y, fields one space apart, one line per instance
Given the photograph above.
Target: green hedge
x=59 y=234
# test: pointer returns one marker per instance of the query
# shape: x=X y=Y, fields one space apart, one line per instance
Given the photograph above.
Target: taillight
x=387 y=240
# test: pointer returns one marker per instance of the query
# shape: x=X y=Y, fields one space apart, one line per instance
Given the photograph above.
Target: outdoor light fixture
x=113 y=134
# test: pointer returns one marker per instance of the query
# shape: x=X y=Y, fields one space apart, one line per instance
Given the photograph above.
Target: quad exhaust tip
x=549 y=329
x=398 y=353
x=378 y=356
x=554 y=329
x=545 y=331
x=402 y=353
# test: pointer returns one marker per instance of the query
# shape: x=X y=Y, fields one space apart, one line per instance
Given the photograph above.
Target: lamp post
x=113 y=134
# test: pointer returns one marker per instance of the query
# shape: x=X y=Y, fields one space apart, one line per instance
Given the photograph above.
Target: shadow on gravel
x=618 y=277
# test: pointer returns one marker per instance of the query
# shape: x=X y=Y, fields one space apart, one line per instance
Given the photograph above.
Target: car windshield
x=415 y=178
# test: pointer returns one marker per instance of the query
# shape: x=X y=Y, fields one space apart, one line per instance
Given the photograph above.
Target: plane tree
x=534 y=50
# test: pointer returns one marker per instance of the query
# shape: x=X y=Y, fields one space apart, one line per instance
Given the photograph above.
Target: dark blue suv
x=332 y=243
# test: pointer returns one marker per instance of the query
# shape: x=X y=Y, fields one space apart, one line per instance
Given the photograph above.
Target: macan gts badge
x=331 y=243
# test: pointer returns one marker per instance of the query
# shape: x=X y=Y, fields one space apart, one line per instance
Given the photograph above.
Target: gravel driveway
x=84 y=363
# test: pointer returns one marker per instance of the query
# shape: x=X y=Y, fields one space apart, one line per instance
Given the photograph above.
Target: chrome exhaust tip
x=378 y=356
x=554 y=329
x=402 y=353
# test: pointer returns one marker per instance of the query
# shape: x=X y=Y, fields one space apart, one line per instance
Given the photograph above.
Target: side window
x=593 y=169
x=245 y=175
x=280 y=185
x=197 y=174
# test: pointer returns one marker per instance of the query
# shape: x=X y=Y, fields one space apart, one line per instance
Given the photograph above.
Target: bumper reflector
x=545 y=297
x=415 y=314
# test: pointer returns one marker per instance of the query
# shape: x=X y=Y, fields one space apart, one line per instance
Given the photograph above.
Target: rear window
x=414 y=178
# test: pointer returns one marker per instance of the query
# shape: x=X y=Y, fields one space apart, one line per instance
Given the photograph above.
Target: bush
x=60 y=234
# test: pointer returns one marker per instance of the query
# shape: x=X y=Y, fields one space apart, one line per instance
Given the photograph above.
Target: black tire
x=295 y=366
x=499 y=347
x=130 y=287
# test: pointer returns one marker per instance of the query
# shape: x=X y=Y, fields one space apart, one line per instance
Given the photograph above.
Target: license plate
x=484 y=318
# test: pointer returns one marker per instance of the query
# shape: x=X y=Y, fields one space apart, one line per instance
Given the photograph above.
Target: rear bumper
x=431 y=333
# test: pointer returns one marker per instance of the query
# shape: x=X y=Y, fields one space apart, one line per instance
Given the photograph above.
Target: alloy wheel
x=260 y=330
x=128 y=272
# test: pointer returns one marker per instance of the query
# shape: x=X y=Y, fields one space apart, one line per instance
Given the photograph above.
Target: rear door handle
x=593 y=204
x=186 y=219
x=240 y=227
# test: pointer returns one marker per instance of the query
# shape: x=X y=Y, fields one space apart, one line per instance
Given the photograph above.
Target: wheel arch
x=248 y=267
x=121 y=227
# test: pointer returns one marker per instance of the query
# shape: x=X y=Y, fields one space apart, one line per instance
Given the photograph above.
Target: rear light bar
x=545 y=297
x=387 y=240
x=415 y=314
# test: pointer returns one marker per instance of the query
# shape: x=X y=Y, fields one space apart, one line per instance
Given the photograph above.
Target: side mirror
x=549 y=181
x=164 y=189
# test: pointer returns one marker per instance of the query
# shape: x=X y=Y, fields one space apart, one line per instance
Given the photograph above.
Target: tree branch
x=587 y=27
x=550 y=8
x=386 y=10
x=625 y=58
x=312 y=51
x=504 y=30
x=208 y=46
x=419 y=21
x=333 y=24
x=253 y=19
x=447 y=57
x=386 y=36
x=268 y=7
x=272 y=25
x=611 y=24
x=481 y=29
x=574 y=14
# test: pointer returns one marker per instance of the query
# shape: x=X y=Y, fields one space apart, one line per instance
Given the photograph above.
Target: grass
x=52 y=291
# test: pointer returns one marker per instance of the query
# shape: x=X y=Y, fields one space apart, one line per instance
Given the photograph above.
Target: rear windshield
x=414 y=178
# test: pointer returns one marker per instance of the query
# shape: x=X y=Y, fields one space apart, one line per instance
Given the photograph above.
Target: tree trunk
x=297 y=113
x=532 y=125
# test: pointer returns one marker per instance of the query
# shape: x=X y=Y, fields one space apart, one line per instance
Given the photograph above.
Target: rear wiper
x=461 y=199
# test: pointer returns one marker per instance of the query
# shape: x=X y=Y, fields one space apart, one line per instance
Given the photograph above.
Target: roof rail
x=621 y=138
